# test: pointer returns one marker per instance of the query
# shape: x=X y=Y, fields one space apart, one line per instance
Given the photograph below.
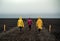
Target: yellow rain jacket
x=20 y=22
x=39 y=23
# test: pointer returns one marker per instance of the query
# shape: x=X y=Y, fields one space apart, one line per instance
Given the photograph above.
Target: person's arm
x=41 y=22
x=23 y=23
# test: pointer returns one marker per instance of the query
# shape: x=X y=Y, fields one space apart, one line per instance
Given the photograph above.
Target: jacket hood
x=39 y=18
x=20 y=18
x=29 y=18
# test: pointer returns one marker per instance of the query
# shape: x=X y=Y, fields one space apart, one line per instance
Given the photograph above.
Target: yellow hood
x=39 y=18
x=20 y=18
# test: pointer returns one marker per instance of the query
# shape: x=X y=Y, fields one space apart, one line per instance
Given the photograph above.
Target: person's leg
x=20 y=28
x=39 y=30
x=29 y=27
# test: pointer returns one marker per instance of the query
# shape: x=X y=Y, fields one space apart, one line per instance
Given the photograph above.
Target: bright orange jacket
x=39 y=23
x=20 y=22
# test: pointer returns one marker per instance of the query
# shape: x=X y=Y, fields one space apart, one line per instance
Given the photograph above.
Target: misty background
x=30 y=8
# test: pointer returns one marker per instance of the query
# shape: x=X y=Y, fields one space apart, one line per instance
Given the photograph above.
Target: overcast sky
x=29 y=8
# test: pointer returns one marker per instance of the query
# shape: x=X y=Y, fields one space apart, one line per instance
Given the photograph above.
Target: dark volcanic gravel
x=26 y=35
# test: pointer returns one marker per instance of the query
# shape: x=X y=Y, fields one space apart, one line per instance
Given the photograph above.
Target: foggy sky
x=29 y=8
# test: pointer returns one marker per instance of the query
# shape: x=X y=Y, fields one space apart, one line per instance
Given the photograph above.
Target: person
x=39 y=24
x=29 y=23
x=20 y=23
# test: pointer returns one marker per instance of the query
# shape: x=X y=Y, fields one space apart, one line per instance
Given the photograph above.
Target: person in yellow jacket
x=39 y=24
x=20 y=23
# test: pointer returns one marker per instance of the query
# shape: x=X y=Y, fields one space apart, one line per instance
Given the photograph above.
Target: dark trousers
x=39 y=30
x=20 y=28
x=29 y=27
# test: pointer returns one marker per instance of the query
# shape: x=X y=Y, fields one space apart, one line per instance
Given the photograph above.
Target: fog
x=29 y=8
